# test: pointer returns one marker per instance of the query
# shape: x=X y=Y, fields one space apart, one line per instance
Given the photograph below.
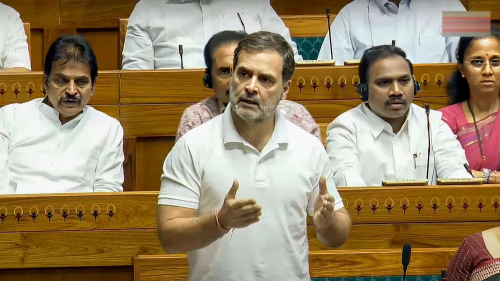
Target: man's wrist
x=219 y=225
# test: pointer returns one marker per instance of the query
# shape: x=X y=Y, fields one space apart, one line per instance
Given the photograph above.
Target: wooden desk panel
x=19 y=88
x=308 y=83
x=163 y=86
x=322 y=264
x=129 y=211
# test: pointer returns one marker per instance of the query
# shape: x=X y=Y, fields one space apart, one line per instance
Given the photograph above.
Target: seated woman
x=475 y=97
x=478 y=258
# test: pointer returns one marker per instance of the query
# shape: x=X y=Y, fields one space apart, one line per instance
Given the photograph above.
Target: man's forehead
x=225 y=53
x=266 y=60
x=70 y=68
x=395 y=67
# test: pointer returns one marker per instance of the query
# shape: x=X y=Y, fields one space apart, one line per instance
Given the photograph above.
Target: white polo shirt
x=40 y=155
x=283 y=179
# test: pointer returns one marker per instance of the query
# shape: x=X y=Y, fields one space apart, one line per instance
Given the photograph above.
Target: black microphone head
x=427 y=109
x=328 y=11
x=180 y=49
x=406 y=255
x=466 y=166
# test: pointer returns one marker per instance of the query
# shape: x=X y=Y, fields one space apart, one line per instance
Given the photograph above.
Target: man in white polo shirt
x=58 y=144
x=236 y=191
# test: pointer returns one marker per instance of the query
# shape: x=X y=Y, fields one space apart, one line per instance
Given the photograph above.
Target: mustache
x=248 y=98
x=394 y=100
x=71 y=98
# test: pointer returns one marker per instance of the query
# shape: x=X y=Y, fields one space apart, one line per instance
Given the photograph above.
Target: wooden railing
x=56 y=234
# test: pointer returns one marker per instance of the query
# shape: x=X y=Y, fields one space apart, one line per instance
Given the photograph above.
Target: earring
x=463 y=76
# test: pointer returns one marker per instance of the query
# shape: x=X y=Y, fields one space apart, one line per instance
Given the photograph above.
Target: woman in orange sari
x=475 y=98
x=477 y=259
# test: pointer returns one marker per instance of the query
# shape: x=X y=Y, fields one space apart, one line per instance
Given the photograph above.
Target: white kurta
x=156 y=28
x=364 y=151
x=40 y=155
x=416 y=27
x=13 y=41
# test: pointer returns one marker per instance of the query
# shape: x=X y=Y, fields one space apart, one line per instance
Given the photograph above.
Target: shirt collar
x=230 y=134
x=389 y=7
x=53 y=114
x=377 y=124
x=181 y=1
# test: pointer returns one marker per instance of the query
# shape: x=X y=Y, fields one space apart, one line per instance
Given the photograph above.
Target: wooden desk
x=322 y=264
x=86 y=247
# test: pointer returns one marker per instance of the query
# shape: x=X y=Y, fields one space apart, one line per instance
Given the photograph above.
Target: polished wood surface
x=109 y=229
x=114 y=273
x=321 y=264
x=19 y=88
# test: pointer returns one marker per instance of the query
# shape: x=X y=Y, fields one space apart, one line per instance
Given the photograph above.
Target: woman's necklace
x=477 y=132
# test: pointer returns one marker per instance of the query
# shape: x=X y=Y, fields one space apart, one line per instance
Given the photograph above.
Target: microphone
x=405 y=258
x=241 y=21
x=468 y=169
x=180 y=53
x=427 y=111
x=393 y=43
x=329 y=33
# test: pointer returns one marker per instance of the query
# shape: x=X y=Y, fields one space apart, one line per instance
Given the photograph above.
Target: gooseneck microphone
x=468 y=169
x=241 y=21
x=405 y=258
x=181 y=51
x=427 y=112
x=329 y=33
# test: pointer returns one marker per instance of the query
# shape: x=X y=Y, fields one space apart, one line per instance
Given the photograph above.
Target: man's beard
x=253 y=116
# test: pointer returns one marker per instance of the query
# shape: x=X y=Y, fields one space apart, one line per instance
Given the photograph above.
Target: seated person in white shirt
x=58 y=144
x=386 y=137
x=157 y=28
x=252 y=171
x=414 y=24
x=14 y=54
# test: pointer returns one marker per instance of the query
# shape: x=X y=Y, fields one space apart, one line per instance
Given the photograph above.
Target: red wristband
x=222 y=229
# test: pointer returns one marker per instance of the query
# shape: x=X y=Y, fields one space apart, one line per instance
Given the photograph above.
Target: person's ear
x=94 y=85
x=286 y=89
x=45 y=84
x=461 y=69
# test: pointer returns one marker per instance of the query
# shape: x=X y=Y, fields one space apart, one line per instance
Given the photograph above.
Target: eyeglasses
x=481 y=63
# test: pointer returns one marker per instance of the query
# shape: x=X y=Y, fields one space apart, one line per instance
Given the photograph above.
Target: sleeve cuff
x=177 y=202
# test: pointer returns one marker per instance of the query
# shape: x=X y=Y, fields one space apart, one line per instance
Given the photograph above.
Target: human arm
x=465 y=260
x=138 y=52
x=16 y=55
x=449 y=154
x=332 y=225
x=341 y=40
x=109 y=171
x=180 y=227
x=191 y=118
x=270 y=21
x=343 y=154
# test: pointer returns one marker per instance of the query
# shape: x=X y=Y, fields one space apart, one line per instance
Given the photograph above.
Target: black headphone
x=362 y=89
x=207 y=79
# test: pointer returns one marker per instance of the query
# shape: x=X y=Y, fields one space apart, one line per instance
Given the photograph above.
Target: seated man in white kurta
x=59 y=144
x=386 y=137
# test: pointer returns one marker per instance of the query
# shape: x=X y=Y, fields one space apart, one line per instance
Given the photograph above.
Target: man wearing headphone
x=415 y=25
x=219 y=54
x=387 y=137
